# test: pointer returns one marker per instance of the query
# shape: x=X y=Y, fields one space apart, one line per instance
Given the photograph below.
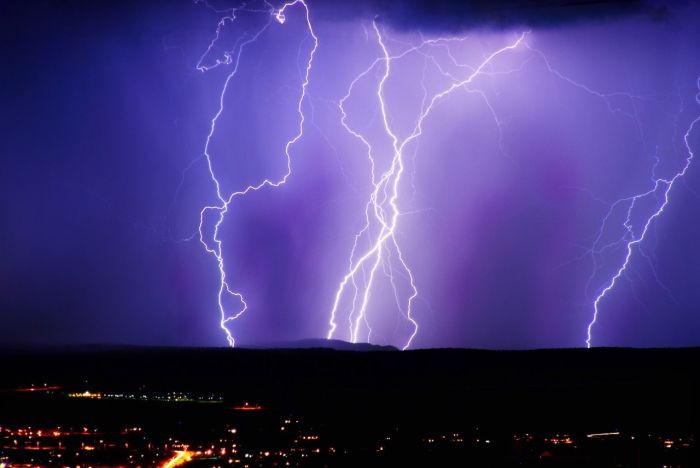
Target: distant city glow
x=180 y=458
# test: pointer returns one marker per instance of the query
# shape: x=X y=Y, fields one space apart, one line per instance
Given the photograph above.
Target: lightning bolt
x=661 y=188
x=376 y=249
x=382 y=210
x=213 y=243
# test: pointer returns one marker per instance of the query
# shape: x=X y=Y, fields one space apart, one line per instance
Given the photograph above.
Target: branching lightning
x=661 y=188
x=213 y=245
x=376 y=248
x=382 y=209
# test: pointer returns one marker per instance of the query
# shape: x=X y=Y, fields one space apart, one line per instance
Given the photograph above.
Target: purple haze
x=503 y=196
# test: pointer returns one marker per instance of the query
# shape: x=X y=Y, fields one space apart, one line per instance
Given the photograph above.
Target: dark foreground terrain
x=326 y=407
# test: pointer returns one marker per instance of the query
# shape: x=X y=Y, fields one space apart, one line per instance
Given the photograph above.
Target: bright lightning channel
x=213 y=244
x=382 y=211
x=660 y=186
x=382 y=207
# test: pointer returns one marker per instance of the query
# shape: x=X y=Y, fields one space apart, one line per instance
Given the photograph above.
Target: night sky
x=515 y=203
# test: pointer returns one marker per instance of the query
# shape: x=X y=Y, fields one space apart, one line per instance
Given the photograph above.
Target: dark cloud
x=454 y=15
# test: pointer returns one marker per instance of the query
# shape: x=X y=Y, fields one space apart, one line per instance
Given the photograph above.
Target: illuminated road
x=180 y=458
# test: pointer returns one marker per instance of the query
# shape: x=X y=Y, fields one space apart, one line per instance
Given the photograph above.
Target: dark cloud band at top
x=455 y=15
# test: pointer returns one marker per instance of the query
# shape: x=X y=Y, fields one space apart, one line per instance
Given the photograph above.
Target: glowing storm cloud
x=377 y=251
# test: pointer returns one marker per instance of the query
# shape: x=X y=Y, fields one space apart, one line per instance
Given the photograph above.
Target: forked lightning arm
x=376 y=244
x=213 y=245
x=382 y=208
x=662 y=187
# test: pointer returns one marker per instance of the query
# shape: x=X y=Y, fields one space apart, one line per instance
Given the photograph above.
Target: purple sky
x=502 y=201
